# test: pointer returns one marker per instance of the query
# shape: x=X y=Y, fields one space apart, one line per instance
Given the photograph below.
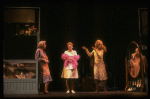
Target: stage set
x=123 y=28
x=109 y=94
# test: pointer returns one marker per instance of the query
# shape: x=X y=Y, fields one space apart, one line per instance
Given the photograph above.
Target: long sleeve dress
x=69 y=72
x=99 y=66
x=44 y=72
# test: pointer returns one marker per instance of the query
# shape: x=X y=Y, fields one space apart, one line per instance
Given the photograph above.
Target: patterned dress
x=68 y=71
x=44 y=72
x=99 y=66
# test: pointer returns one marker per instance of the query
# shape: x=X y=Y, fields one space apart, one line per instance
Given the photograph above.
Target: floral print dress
x=44 y=72
x=99 y=66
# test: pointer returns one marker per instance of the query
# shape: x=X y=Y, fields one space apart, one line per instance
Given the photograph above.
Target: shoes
x=47 y=93
x=73 y=91
x=68 y=91
x=96 y=91
x=105 y=91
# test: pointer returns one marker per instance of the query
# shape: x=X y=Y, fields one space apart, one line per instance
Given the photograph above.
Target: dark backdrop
x=82 y=23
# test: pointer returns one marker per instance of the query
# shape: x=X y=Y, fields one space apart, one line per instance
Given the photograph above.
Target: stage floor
x=83 y=95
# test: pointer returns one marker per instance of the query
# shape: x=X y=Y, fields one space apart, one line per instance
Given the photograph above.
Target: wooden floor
x=83 y=95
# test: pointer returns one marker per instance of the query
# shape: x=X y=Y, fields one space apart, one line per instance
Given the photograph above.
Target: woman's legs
x=67 y=84
x=72 y=84
x=105 y=90
x=96 y=83
x=46 y=87
x=97 y=87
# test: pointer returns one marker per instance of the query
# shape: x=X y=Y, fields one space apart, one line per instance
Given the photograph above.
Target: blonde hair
x=41 y=44
x=98 y=43
x=137 y=49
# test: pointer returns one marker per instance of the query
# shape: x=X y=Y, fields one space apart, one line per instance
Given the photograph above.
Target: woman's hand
x=94 y=48
x=67 y=58
x=84 y=48
x=46 y=60
x=70 y=58
x=46 y=57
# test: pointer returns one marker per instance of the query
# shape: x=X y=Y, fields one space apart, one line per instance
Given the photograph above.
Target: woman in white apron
x=70 y=71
